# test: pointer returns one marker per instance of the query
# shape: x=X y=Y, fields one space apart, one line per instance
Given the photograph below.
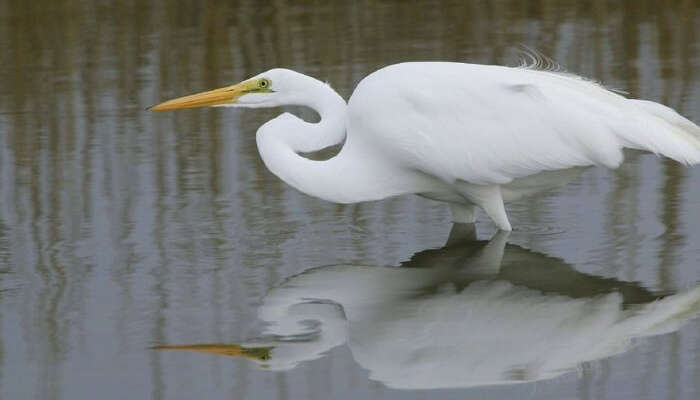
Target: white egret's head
x=270 y=89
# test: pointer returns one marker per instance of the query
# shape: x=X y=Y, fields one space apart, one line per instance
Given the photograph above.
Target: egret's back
x=490 y=124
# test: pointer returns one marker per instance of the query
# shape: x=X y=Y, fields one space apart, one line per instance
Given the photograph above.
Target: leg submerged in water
x=463 y=213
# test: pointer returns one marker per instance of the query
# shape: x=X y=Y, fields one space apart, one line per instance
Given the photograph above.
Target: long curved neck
x=356 y=174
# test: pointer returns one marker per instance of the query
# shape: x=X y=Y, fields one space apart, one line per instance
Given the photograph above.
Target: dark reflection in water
x=472 y=313
x=120 y=229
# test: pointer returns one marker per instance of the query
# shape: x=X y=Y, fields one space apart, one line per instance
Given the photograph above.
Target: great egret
x=466 y=134
x=470 y=314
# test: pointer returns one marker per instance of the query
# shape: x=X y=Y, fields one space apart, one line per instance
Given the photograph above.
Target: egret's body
x=470 y=135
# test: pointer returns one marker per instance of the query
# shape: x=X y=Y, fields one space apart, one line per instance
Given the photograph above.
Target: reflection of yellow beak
x=230 y=350
x=216 y=97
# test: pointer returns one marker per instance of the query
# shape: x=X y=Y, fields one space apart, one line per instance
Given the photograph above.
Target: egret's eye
x=264 y=83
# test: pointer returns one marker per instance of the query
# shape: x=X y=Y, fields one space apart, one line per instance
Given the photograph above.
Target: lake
x=152 y=255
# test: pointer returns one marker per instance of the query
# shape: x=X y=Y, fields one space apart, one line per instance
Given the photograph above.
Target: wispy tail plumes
x=666 y=132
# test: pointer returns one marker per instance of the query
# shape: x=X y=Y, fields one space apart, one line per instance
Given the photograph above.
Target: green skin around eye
x=263 y=87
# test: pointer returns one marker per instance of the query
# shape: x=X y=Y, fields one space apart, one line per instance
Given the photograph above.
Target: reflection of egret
x=469 y=314
x=469 y=135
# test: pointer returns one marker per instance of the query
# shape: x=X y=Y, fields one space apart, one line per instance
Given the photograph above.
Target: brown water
x=121 y=230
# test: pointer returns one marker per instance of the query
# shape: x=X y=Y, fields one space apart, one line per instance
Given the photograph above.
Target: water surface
x=121 y=230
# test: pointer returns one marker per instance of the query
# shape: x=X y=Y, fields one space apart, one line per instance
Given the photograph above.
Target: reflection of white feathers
x=495 y=333
x=415 y=328
x=465 y=315
x=490 y=332
x=300 y=331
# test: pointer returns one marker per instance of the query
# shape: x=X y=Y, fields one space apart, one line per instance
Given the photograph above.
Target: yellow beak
x=216 y=97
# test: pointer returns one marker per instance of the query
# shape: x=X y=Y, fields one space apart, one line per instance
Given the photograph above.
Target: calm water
x=122 y=230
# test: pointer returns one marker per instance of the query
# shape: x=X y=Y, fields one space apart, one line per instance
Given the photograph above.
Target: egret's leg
x=463 y=213
x=497 y=212
x=489 y=198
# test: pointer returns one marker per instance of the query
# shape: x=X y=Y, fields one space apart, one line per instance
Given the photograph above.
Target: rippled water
x=122 y=230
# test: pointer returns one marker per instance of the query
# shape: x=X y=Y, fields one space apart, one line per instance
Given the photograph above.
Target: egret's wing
x=490 y=124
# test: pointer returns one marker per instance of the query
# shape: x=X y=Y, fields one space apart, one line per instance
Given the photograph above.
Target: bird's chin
x=260 y=104
x=251 y=100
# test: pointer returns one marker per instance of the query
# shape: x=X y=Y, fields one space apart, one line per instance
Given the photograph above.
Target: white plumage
x=465 y=134
x=503 y=123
